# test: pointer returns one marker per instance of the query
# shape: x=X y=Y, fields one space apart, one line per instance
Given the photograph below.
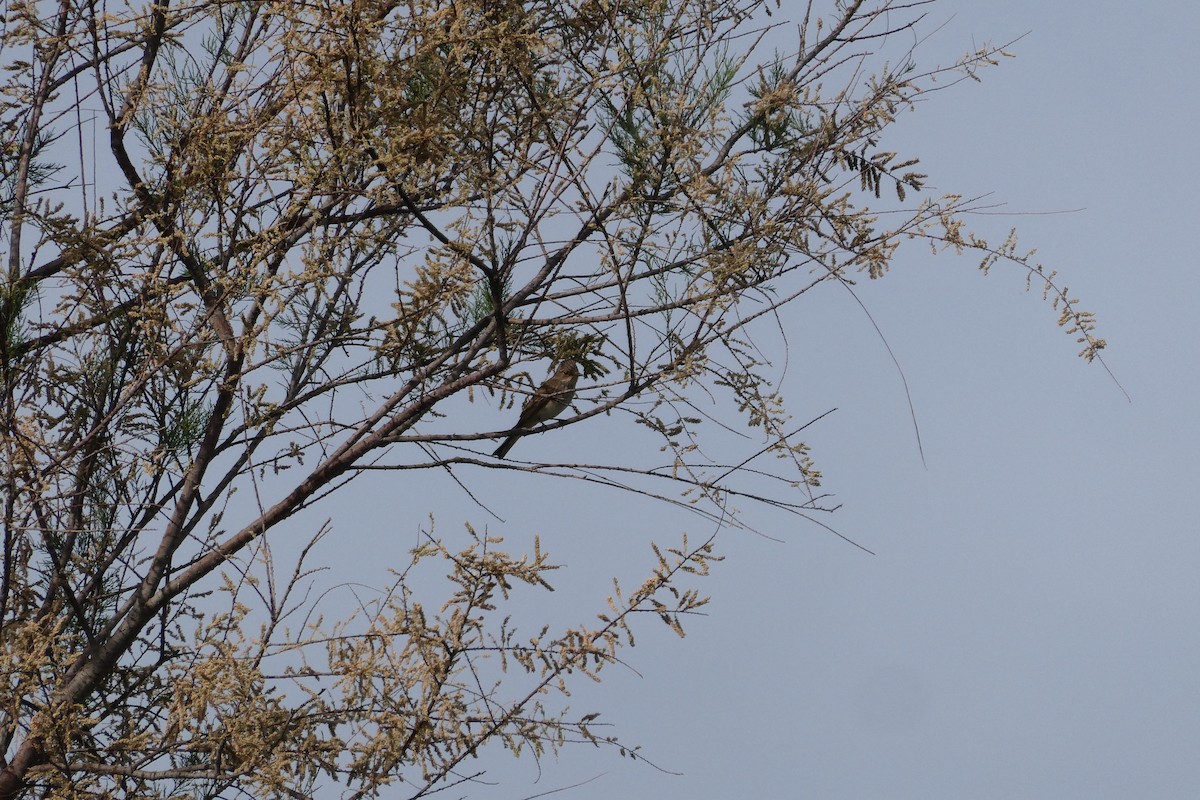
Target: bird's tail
x=503 y=449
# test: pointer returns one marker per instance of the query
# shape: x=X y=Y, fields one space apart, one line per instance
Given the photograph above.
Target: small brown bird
x=550 y=400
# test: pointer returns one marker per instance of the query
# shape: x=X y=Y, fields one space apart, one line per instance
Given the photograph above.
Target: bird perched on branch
x=550 y=400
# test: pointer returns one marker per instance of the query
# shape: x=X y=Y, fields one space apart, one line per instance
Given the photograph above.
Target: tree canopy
x=259 y=247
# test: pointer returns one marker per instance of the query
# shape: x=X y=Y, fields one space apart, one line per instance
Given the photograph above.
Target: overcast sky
x=1028 y=625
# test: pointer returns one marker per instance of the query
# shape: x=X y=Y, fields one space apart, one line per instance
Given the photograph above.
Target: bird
x=550 y=400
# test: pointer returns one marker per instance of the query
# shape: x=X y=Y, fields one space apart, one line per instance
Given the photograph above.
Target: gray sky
x=1028 y=625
